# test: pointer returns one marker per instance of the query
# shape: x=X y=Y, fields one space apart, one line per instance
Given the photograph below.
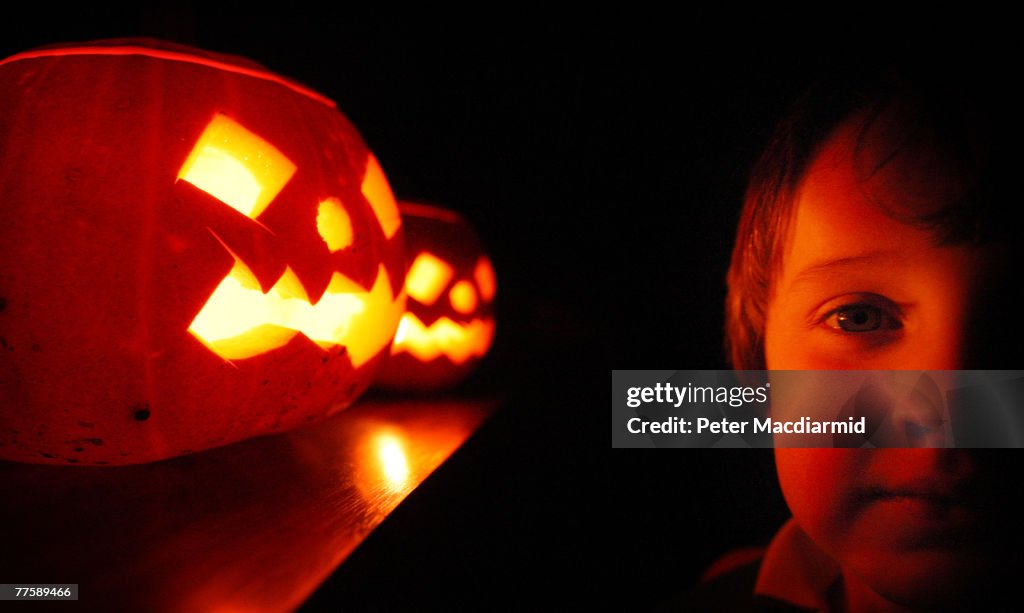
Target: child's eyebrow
x=833 y=267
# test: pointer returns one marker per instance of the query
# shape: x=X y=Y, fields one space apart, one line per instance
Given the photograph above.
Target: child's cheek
x=817 y=484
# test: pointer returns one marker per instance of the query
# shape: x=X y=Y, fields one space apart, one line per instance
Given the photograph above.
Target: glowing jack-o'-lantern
x=193 y=251
x=448 y=325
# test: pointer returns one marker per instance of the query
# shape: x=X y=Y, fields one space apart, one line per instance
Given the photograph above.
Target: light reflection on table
x=254 y=526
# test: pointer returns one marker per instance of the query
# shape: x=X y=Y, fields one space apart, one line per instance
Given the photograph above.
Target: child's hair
x=931 y=124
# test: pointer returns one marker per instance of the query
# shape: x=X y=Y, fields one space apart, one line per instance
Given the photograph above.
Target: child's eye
x=864 y=317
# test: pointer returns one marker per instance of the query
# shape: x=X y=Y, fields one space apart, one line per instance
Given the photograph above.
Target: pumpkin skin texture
x=139 y=180
x=448 y=326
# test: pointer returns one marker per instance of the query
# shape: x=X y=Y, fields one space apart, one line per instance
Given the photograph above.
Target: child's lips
x=929 y=491
x=928 y=513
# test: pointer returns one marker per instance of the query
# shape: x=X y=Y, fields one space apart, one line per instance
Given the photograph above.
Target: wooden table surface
x=254 y=526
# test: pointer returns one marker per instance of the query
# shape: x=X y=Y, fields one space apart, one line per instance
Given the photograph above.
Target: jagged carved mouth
x=458 y=342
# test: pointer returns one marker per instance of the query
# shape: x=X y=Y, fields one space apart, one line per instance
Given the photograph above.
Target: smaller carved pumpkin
x=448 y=324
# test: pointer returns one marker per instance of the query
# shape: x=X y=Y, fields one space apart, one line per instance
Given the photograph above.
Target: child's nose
x=917 y=416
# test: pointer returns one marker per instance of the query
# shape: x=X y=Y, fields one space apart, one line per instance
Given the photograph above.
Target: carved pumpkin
x=193 y=251
x=448 y=325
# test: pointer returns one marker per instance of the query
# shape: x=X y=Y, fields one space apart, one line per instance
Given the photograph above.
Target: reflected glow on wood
x=254 y=526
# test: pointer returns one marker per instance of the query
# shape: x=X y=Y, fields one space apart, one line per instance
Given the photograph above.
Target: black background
x=603 y=164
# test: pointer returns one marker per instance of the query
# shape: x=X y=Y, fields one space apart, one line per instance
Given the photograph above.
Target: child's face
x=860 y=290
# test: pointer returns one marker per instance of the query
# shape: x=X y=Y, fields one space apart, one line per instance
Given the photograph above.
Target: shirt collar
x=795 y=570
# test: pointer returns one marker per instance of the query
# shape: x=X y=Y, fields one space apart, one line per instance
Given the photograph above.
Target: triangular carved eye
x=463 y=297
x=485 y=278
x=427 y=278
x=334 y=225
x=237 y=167
x=377 y=192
